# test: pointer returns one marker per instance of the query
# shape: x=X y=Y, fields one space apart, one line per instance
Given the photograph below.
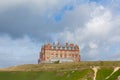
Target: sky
x=25 y=25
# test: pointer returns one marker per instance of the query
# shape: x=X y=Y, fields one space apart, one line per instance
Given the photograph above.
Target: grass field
x=49 y=75
x=103 y=73
x=65 y=71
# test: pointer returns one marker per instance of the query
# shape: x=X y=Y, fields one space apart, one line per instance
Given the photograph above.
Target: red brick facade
x=57 y=52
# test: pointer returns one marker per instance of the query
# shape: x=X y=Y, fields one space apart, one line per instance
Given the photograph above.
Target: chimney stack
x=66 y=44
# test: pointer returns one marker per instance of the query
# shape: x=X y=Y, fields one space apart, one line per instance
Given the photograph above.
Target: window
x=52 y=47
x=72 y=55
x=52 y=53
x=47 y=57
x=60 y=48
x=57 y=48
x=65 y=48
x=72 y=48
x=69 y=54
x=56 y=55
x=76 y=55
x=65 y=55
x=69 y=48
x=61 y=55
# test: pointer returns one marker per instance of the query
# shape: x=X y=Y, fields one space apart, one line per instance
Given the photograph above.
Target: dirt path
x=115 y=69
x=95 y=69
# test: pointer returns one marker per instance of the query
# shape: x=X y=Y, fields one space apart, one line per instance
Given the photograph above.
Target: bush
x=56 y=62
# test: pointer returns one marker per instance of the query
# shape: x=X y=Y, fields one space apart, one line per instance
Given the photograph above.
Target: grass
x=64 y=71
x=48 y=75
x=63 y=66
x=115 y=75
x=103 y=73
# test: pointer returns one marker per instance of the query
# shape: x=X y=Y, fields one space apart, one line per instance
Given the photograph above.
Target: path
x=95 y=69
x=115 y=69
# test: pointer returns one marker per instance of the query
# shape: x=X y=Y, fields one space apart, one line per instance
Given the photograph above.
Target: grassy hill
x=64 y=71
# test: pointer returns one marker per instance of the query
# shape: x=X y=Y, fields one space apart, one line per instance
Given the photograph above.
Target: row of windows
x=65 y=54
x=63 y=48
x=62 y=56
x=61 y=51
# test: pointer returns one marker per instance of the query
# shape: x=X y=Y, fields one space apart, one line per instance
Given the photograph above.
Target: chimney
x=71 y=44
x=53 y=43
x=58 y=43
x=66 y=44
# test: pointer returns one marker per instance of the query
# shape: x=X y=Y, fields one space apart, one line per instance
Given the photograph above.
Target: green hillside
x=49 y=75
x=64 y=71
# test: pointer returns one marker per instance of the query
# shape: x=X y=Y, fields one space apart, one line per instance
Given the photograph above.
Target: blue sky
x=27 y=24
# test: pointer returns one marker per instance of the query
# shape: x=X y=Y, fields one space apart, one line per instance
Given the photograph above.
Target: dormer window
x=72 y=48
x=60 y=48
x=69 y=48
x=56 y=47
x=52 y=47
x=65 y=48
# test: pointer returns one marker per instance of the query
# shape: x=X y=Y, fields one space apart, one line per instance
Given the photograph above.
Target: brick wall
x=51 y=52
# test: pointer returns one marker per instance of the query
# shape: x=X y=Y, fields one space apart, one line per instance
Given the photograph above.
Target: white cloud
x=93 y=45
x=68 y=35
x=97 y=25
x=19 y=51
x=100 y=27
x=115 y=39
x=94 y=27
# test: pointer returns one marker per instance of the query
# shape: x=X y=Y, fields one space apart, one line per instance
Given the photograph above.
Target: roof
x=66 y=46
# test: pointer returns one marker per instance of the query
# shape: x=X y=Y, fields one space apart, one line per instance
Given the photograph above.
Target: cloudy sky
x=27 y=24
